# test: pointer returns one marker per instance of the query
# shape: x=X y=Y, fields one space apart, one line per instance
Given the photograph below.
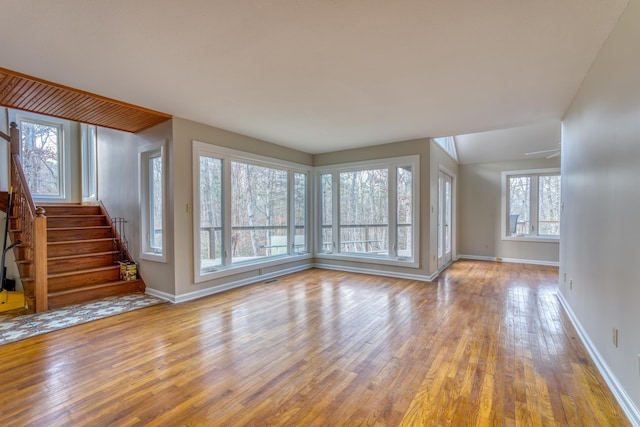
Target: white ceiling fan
x=552 y=153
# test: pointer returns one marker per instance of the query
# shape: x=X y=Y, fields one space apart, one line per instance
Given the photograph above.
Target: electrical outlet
x=571 y=284
x=615 y=337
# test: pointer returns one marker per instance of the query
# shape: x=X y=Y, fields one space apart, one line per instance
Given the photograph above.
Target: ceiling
x=319 y=75
x=510 y=144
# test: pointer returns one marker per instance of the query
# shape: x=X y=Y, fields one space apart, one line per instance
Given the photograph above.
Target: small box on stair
x=128 y=271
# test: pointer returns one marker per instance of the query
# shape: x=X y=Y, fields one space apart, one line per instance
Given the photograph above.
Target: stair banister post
x=15 y=138
x=40 y=260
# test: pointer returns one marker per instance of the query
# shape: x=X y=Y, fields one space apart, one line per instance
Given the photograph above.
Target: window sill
x=532 y=239
x=152 y=256
x=369 y=260
x=249 y=266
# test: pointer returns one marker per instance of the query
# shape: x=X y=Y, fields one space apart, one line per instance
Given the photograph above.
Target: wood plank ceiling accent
x=35 y=95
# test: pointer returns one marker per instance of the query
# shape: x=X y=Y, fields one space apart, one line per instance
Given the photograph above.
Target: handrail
x=31 y=226
x=22 y=180
x=121 y=246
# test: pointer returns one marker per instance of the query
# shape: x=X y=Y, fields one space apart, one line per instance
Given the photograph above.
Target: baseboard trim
x=510 y=260
x=160 y=294
x=385 y=273
x=238 y=283
x=616 y=388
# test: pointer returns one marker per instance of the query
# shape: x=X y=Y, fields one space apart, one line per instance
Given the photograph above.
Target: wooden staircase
x=82 y=256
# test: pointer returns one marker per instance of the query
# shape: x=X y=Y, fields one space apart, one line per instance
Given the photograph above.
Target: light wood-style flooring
x=487 y=344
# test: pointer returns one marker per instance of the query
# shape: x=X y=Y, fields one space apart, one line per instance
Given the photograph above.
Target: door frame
x=441 y=262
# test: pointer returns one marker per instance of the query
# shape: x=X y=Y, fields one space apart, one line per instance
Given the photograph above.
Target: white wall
x=480 y=214
x=600 y=246
x=118 y=179
x=118 y=190
x=160 y=276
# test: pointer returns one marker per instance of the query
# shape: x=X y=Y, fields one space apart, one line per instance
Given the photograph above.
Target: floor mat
x=29 y=325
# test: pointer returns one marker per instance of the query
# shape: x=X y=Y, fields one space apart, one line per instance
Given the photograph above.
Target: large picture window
x=532 y=204
x=367 y=210
x=248 y=209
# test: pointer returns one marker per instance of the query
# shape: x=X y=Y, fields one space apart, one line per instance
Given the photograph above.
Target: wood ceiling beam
x=35 y=95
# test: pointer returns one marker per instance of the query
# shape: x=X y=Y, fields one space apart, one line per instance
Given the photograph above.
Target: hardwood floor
x=488 y=344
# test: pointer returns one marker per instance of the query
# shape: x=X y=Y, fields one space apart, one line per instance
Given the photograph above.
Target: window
x=367 y=210
x=152 y=202
x=448 y=144
x=250 y=210
x=532 y=204
x=43 y=147
x=259 y=197
x=326 y=213
x=89 y=171
x=300 y=212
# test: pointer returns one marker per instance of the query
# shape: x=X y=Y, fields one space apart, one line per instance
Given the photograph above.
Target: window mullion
x=291 y=209
x=226 y=212
x=392 y=174
x=533 y=205
x=335 y=221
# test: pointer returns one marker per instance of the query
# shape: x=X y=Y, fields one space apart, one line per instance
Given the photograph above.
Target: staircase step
x=70 y=209
x=85 y=261
x=78 y=233
x=93 y=276
x=78 y=247
x=70 y=221
x=88 y=293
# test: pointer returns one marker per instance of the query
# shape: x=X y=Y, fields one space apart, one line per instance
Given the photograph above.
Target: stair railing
x=30 y=224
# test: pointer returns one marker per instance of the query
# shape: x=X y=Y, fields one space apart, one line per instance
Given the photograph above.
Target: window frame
x=228 y=155
x=448 y=145
x=534 y=175
x=145 y=154
x=64 y=149
x=89 y=155
x=387 y=163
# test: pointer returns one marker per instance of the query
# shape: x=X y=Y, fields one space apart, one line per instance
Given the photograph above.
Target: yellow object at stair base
x=11 y=300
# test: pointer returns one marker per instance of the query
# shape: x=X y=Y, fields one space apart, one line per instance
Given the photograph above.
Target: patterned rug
x=29 y=325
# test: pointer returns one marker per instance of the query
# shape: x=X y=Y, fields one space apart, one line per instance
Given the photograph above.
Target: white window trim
x=504 y=213
x=453 y=154
x=89 y=160
x=63 y=156
x=228 y=154
x=335 y=170
x=145 y=152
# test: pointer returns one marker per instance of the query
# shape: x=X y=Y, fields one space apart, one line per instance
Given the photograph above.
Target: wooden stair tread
x=80 y=228
x=92 y=287
x=63 y=242
x=87 y=270
x=90 y=254
x=77 y=216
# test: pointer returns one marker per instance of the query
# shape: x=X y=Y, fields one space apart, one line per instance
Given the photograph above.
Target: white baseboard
x=231 y=285
x=386 y=273
x=160 y=294
x=618 y=391
x=511 y=260
x=242 y=282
